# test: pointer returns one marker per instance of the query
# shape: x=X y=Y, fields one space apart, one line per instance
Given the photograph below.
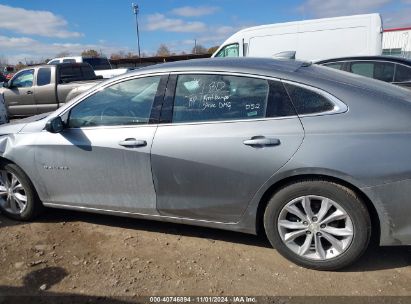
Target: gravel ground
x=73 y=253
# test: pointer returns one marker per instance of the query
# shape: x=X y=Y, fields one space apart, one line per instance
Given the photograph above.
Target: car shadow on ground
x=36 y=285
x=375 y=258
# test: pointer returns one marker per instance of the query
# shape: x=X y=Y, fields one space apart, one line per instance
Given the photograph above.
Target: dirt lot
x=84 y=254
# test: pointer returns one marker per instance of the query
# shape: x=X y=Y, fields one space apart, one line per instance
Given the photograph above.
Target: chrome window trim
x=339 y=106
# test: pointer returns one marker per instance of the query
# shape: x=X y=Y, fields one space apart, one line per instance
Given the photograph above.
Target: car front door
x=101 y=160
x=19 y=96
x=221 y=138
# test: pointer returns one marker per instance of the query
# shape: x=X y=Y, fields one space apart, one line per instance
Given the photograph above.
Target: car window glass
x=23 y=79
x=70 y=73
x=88 y=72
x=334 y=65
x=69 y=60
x=229 y=51
x=125 y=103
x=98 y=63
x=363 y=68
x=384 y=71
x=43 y=76
x=219 y=97
x=308 y=102
x=54 y=62
x=403 y=73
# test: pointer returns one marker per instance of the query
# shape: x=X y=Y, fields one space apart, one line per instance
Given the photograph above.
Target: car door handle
x=132 y=143
x=261 y=141
x=29 y=92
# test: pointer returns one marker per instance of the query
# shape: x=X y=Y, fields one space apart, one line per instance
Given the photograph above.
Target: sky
x=40 y=29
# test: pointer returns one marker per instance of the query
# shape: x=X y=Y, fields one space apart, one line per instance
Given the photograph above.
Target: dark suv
x=395 y=70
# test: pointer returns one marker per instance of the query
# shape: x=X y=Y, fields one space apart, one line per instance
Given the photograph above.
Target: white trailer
x=310 y=39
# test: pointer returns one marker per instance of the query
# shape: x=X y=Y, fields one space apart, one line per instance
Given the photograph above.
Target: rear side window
x=70 y=73
x=220 y=97
x=98 y=63
x=402 y=74
x=88 y=72
x=379 y=70
x=69 y=60
x=363 y=68
x=43 y=76
x=308 y=102
x=76 y=73
x=384 y=71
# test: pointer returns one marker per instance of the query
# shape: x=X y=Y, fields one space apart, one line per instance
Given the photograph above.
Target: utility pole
x=136 y=11
x=195 y=46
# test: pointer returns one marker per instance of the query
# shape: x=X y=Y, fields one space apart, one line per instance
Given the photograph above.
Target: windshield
x=98 y=63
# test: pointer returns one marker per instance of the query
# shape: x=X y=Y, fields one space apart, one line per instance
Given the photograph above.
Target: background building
x=397 y=42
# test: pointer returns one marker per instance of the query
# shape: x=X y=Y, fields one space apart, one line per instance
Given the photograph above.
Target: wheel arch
x=375 y=219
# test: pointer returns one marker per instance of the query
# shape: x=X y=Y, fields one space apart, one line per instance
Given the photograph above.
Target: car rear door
x=45 y=90
x=220 y=139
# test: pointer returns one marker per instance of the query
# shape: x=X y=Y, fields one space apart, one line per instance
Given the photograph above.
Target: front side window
x=308 y=102
x=402 y=74
x=125 y=103
x=43 y=76
x=230 y=50
x=219 y=97
x=23 y=79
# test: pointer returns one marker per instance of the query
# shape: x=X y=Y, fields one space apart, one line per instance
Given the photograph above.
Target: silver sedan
x=319 y=160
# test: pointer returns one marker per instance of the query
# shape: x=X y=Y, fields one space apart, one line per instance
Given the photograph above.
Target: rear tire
x=18 y=198
x=318 y=224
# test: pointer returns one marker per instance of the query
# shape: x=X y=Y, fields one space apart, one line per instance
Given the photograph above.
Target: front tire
x=18 y=198
x=318 y=224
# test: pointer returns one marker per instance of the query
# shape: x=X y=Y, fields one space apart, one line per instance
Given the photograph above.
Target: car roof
x=368 y=58
x=266 y=66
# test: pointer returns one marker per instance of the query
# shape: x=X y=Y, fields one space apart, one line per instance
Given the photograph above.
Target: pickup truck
x=101 y=65
x=44 y=88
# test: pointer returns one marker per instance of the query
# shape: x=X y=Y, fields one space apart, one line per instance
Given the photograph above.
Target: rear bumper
x=393 y=204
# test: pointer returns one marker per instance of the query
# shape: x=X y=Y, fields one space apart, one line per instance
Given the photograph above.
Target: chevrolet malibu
x=318 y=159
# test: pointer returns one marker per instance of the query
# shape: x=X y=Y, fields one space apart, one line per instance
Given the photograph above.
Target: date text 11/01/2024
x=186 y=299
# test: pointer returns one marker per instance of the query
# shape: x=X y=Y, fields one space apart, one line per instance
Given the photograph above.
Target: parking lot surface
x=72 y=253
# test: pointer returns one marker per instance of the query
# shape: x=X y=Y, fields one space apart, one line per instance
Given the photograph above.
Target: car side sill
x=204 y=223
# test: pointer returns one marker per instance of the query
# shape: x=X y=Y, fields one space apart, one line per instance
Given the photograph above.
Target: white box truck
x=308 y=40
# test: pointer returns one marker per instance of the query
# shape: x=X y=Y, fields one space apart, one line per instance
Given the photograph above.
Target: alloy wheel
x=13 y=198
x=315 y=227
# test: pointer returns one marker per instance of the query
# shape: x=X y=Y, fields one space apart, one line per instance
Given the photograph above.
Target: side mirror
x=6 y=84
x=55 y=125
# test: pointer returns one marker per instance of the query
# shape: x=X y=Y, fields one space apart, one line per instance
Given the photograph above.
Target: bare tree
x=212 y=49
x=163 y=50
x=90 y=53
x=199 y=49
x=63 y=54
